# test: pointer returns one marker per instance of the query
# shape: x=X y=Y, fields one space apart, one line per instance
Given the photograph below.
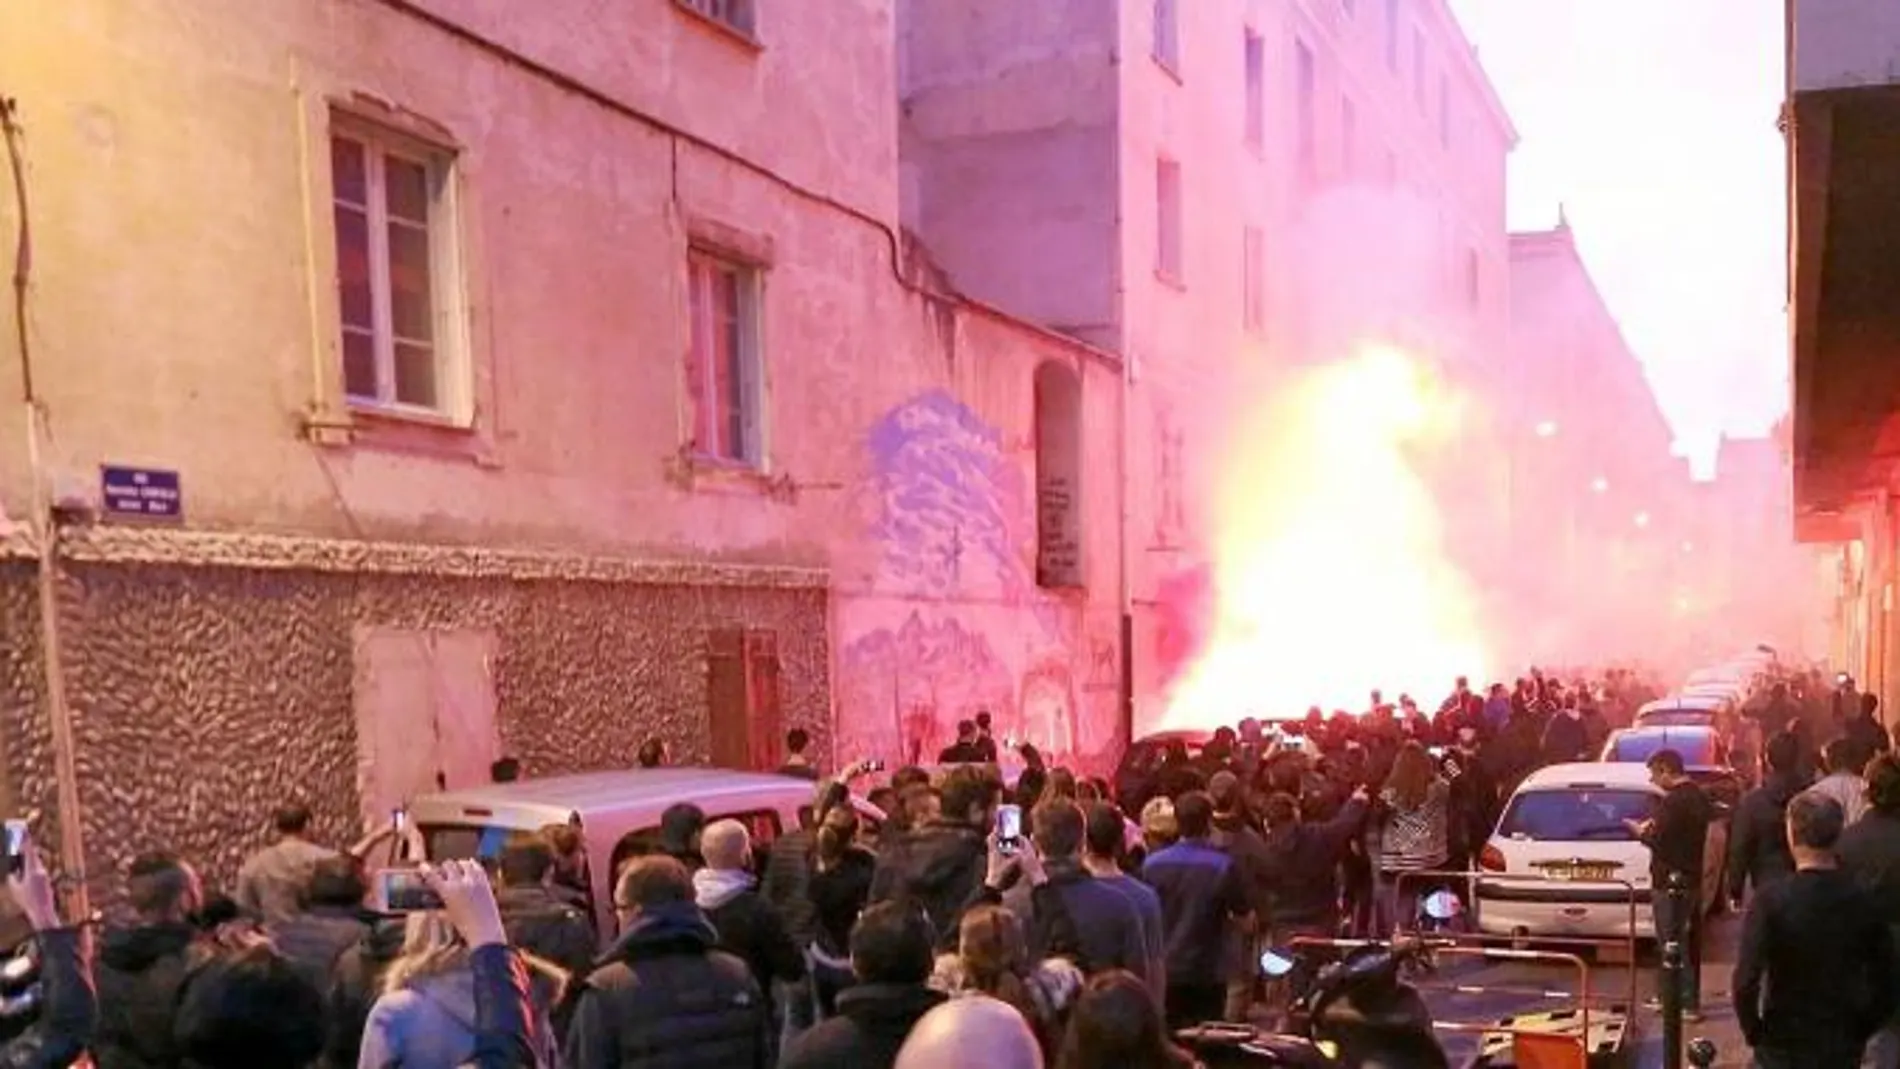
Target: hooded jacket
x=748 y=926
x=940 y=866
x=667 y=998
x=1304 y=861
x=872 y=1023
x=1758 y=845
x=433 y=1024
x=140 y=973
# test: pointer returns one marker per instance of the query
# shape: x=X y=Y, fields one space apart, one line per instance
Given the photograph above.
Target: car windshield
x=456 y=842
x=1574 y=815
x=1641 y=746
x=1677 y=718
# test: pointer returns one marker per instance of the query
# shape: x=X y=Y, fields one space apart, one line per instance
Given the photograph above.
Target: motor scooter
x=1358 y=1012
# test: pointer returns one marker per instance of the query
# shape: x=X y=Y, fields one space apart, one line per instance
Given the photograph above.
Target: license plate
x=1580 y=872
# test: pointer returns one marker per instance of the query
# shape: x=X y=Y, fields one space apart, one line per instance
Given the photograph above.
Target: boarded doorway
x=425 y=714
x=742 y=696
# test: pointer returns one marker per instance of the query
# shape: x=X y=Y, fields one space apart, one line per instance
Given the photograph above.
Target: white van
x=617 y=812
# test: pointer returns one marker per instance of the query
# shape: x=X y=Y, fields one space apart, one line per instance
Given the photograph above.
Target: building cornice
x=223 y=549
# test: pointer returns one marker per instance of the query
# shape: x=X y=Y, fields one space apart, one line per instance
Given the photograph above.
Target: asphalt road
x=1469 y=990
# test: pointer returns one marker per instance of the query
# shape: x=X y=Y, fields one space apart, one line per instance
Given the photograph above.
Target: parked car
x=1705 y=754
x=1563 y=862
x=1683 y=710
x=618 y=813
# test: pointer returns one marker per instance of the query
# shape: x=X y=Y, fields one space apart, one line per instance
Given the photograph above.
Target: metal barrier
x=1627 y=941
x=1575 y=1046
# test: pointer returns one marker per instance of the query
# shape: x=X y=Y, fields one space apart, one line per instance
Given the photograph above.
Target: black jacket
x=1235 y=835
x=749 y=928
x=1758 y=836
x=1870 y=852
x=1814 y=973
x=314 y=940
x=837 y=896
x=1074 y=916
x=67 y=1014
x=1680 y=835
x=939 y=866
x=547 y=926
x=872 y=1022
x=140 y=973
x=667 y=998
x=354 y=987
x=1304 y=862
x=787 y=881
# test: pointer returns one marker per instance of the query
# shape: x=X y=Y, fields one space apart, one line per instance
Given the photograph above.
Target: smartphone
x=1009 y=828
x=16 y=847
x=1435 y=751
x=399 y=819
x=1294 y=742
x=404 y=891
x=875 y=764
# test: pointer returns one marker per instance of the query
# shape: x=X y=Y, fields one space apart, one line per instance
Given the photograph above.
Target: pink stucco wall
x=185 y=314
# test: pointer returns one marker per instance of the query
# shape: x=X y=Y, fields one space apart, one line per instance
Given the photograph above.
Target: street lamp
x=1546 y=429
x=1688 y=547
x=1599 y=485
x=1642 y=519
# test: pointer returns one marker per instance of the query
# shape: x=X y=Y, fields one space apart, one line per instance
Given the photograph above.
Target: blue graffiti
x=949 y=500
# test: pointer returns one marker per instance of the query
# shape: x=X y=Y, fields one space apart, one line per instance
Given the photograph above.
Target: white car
x=1563 y=837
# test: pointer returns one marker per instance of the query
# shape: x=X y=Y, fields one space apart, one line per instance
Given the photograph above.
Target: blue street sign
x=141 y=493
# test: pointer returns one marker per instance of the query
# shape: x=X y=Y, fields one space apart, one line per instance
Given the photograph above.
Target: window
x=1253 y=272
x=1418 y=66
x=1167 y=44
x=1348 y=137
x=1392 y=35
x=1306 y=90
x=725 y=365
x=736 y=14
x=1444 y=110
x=395 y=267
x=1474 y=278
x=1168 y=222
x=1256 y=90
x=1351 y=7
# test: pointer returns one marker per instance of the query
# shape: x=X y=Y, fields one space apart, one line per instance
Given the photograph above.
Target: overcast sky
x=1652 y=122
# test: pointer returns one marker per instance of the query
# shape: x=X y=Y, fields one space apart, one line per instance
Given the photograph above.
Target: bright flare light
x=1330 y=577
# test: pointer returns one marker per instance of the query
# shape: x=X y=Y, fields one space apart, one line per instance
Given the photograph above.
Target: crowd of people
x=1123 y=912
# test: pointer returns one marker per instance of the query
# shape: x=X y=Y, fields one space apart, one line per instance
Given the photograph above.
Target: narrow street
x=1610 y=983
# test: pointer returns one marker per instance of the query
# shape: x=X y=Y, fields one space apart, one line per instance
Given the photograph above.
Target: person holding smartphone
x=68 y=1009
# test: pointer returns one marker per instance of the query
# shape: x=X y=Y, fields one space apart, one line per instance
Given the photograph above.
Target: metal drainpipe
x=1124 y=398
x=46 y=537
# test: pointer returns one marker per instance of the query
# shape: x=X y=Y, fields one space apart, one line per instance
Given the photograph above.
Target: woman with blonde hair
x=992 y=959
x=426 y=1017
x=1414 y=833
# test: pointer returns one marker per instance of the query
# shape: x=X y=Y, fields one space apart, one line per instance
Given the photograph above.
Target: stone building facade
x=538 y=379
x=1224 y=191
